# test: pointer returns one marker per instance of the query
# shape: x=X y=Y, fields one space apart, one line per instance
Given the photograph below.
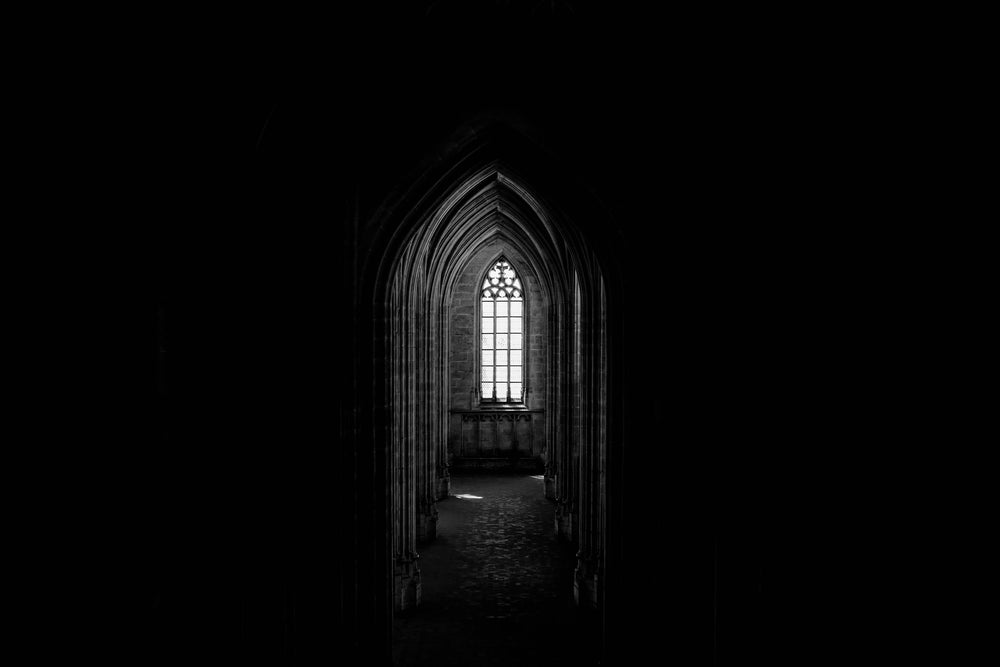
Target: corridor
x=496 y=582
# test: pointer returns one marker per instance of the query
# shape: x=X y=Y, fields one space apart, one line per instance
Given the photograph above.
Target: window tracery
x=502 y=335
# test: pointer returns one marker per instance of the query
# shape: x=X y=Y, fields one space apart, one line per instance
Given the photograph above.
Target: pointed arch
x=483 y=187
x=502 y=334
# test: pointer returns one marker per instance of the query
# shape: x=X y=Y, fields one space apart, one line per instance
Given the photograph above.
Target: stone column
x=586 y=580
x=426 y=491
x=443 y=489
x=565 y=520
x=427 y=518
x=430 y=403
x=555 y=400
x=568 y=471
x=550 y=483
x=406 y=582
x=404 y=454
x=442 y=419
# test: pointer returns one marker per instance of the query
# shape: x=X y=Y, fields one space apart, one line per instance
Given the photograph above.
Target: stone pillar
x=586 y=581
x=588 y=445
x=443 y=489
x=565 y=521
x=407 y=582
x=427 y=518
x=550 y=482
x=405 y=457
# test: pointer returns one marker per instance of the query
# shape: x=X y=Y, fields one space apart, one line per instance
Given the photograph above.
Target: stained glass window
x=501 y=331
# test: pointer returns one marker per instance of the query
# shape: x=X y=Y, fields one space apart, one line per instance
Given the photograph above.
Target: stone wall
x=483 y=436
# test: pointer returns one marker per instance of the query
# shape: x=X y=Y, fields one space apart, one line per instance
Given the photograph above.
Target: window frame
x=485 y=402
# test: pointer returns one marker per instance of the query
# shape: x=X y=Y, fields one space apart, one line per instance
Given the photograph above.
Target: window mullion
x=494 y=347
x=509 y=348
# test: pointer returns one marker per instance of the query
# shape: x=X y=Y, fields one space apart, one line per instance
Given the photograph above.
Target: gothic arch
x=484 y=188
x=523 y=287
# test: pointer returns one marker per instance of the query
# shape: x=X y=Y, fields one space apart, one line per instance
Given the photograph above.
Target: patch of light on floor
x=538 y=477
x=467 y=496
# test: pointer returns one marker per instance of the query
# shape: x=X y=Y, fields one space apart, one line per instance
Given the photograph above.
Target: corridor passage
x=497 y=583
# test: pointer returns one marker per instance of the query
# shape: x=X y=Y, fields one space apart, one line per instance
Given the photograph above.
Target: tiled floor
x=497 y=584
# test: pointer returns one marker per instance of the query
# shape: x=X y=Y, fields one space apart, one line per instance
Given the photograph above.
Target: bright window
x=502 y=335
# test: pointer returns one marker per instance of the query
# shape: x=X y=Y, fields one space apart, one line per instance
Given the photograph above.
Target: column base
x=443 y=484
x=565 y=522
x=427 y=520
x=406 y=583
x=550 y=487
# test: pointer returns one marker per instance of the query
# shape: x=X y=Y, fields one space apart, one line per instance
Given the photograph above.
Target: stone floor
x=497 y=583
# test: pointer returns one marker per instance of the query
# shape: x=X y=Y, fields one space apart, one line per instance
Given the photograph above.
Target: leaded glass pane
x=502 y=299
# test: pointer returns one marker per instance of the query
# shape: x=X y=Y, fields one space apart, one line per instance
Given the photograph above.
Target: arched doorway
x=495 y=197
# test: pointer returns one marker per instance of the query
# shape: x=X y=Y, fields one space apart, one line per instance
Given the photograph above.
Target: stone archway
x=430 y=235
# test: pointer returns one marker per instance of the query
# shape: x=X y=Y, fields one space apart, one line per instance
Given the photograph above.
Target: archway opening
x=473 y=430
